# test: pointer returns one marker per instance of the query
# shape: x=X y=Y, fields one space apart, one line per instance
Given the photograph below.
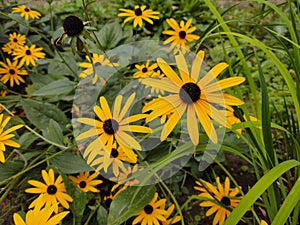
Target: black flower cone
x=73 y=26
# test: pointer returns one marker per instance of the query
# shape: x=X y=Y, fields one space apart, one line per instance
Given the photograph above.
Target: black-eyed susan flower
x=171 y=220
x=17 y=39
x=86 y=182
x=5 y=136
x=73 y=26
x=9 y=48
x=91 y=65
x=222 y=196
x=138 y=15
x=145 y=70
x=127 y=177
x=113 y=159
x=12 y=72
x=180 y=34
x=28 y=55
x=113 y=125
x=152 y=213
x=233 y=118
x=40 y=216
x=51 y=192
x=26 y=12
x=188 y=93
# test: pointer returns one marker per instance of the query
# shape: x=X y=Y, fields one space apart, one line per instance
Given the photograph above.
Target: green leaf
x=55 y=88
x=10 y=168
x=101 y=216
x=110 y=35
x=54 y=133
x=260 y=187
x=70 y=163
x=27 y=139
x=128 y=203
x=40 y=114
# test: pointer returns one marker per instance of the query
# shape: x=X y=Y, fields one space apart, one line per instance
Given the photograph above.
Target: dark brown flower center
x=189 y=93
x=225 y=201
x=12 y=72
x=182 y=34
x=27 y=10
x=145 y=70
x=138 y=12
x=98 y=64
x=15 y=40
x=82 y=184
x=110 y=126
x=148 y=209
x=28 y=52
x=114 y=153
x=236 y=114
x=73 y=26
x=51 y=189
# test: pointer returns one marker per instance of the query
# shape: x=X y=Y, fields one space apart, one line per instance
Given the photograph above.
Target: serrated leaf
x=57 y=87
x=54 y=133
x=40 y=113
x=128 y=203
x=70 y=163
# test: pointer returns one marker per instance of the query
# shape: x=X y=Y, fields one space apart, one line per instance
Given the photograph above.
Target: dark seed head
x=148 y=209
x=144 y=70
x=225 y=201
x=110 y=126
x=52 y=189
x=28 y=52
x=82 y=184
x=138 y=12
x=98 y=64
x=15 y=40
x=189 y=93
x=73 y=26
x=12 y=72
x=27 y=10
x=182 y=34
x=114 y=153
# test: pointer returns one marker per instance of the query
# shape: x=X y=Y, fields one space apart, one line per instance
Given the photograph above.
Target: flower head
x=5 y=136
x=28 y=55
x=145 y=70
x=138 y=15
x=197 y=97
x=180 y=34
x=11 y=72
x=73 y=26
x=38 y=216
x=17 y=39
x=86 y=182
x=51 y=192
x=152 y=213
x=26 y=12
x=9 y=48
x=112 y=126
x=223 y=197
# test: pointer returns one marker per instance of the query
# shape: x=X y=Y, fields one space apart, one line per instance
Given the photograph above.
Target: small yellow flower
x=11 y=72
x=86 y=182
x=145 y=70
x=28 y=55
x=8 y=48
x=5 y=136
x=138 y=15
x=26 y=12
x=180 y=34
x=17 y=39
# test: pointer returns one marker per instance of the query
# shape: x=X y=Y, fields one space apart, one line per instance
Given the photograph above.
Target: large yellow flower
x=225 y=196
x=5 y=136
x=28 y=55
x=180 y=34
x=112 y=126
x=26 y=12
x=138 y=15
x=197 y=97
x=38 y=216
x=51 y=192
x=86 y=182
x=11 y=72
x=152 y=213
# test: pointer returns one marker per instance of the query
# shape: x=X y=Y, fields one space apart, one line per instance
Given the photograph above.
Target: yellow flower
x=28 y=54
x=112 y=126
x=263 y=222
x=51 y=192
x=8 y=48
x=11 y=72
x=97 y=60
x=38 y=216
x=225 y=196
x=152 y=213
x=171 y=220
x=145 y=70
x=85 y=182
x=17 y=39
x=180 y=34
x=5 y=136
x=197 y=97
x=26 y=12
x=138 y=15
